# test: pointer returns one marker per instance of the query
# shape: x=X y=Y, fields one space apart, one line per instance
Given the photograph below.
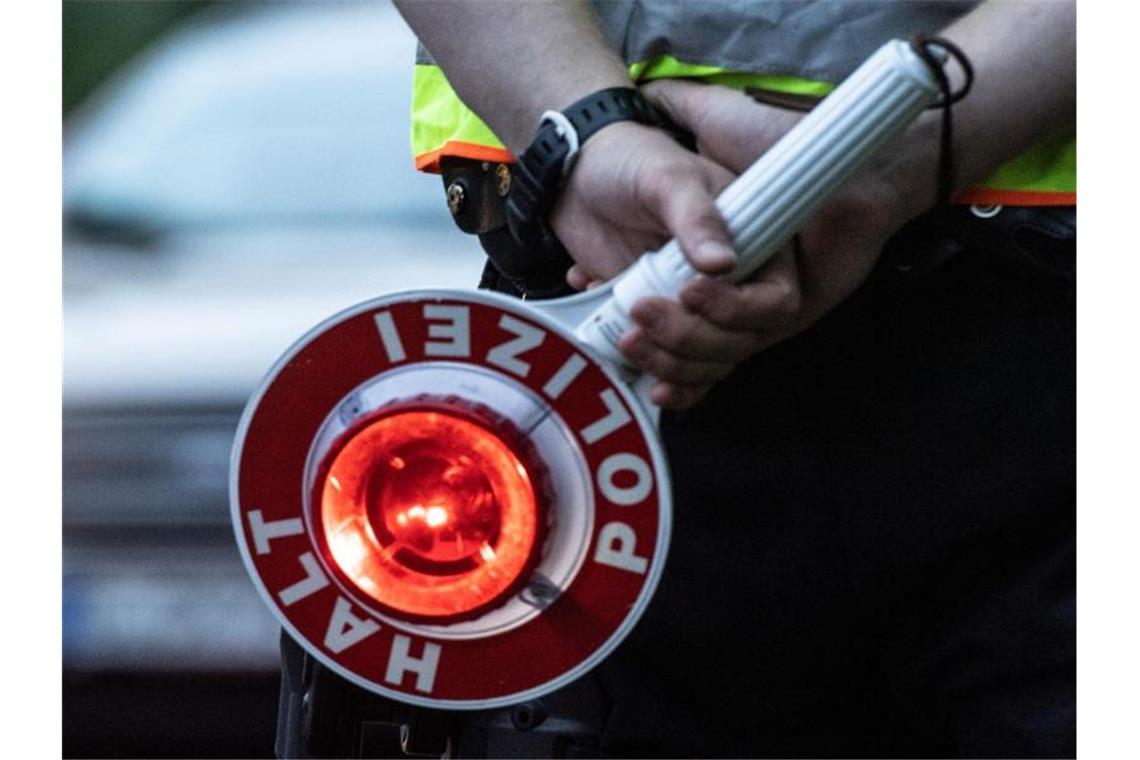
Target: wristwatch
x=543 y=167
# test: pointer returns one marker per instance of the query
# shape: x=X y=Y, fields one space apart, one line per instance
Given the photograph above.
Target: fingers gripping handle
x=766 y=204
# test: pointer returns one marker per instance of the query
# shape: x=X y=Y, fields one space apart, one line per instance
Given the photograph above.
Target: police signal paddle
x=459 y=500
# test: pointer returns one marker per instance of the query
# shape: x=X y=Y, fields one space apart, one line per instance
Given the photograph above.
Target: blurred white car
x=245 y=179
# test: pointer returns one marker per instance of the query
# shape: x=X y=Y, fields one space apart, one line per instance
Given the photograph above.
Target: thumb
x=687 y=205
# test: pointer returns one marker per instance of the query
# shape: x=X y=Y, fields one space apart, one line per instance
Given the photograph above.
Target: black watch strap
x=541 y=169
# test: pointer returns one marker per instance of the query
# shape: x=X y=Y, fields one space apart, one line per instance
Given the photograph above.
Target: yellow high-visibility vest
x=802 y=47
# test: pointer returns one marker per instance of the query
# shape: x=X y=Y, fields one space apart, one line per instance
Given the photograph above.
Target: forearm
x=1024 y=91
x=510 y=60
x=1024 y=56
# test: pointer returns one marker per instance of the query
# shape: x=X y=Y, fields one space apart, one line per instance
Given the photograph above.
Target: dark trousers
x=874 y=536
x=873 y=545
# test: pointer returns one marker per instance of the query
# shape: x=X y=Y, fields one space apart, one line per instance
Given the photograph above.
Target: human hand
x=691 y=345
x=632 y=189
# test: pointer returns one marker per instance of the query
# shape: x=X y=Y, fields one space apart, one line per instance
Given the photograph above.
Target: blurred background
x=233 y=173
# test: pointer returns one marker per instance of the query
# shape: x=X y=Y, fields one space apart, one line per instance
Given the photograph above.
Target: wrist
x=543 y=168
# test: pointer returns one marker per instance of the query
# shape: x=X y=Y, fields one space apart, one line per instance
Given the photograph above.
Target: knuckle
x=727 y=311
x=685 y=336
x=661 y=325
x=775 y=301
x=670 y=367
x=745 y=312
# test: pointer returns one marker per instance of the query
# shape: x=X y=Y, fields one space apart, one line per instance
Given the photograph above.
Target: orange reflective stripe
x=984 y=196
x=429 y=162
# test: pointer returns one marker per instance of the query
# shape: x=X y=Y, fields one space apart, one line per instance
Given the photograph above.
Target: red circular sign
x=430 y=514
x=624 y=540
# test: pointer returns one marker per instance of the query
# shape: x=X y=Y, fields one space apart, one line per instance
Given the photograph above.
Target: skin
x=633 y=187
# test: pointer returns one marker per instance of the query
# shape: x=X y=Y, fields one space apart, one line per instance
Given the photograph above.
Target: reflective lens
x=429 y=513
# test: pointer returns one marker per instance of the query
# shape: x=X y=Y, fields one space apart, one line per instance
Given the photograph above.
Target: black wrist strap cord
x=929 y=49
x=926 y=48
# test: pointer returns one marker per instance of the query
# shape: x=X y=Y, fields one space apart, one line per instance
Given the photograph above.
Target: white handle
x=766 y=204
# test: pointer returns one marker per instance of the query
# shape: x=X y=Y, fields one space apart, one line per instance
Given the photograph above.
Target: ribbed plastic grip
x=766 y=204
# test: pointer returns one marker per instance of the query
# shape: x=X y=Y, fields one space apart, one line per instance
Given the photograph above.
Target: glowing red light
x=428 y=513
